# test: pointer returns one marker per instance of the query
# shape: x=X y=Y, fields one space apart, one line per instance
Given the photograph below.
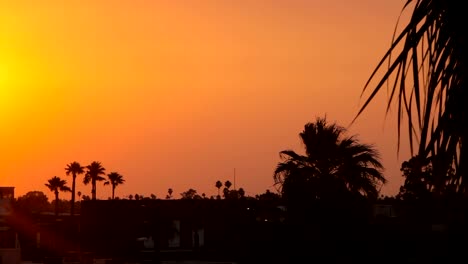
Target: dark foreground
x=188 y=231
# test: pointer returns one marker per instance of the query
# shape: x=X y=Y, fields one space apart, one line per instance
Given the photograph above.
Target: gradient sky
x=176 y=94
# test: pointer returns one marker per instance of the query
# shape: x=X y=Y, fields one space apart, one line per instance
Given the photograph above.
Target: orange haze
x=176 y=94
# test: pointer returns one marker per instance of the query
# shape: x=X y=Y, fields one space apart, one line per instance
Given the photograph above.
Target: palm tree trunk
x=72 y=206
x=113 y=191
x=56 y=202
x=93 y=189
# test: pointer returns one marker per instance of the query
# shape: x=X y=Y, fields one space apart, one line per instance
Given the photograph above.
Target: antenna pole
x=234 y=178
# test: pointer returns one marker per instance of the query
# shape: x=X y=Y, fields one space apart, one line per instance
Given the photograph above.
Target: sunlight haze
x=176 y=94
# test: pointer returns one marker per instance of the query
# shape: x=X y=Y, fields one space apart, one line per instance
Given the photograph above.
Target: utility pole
x=234 y=178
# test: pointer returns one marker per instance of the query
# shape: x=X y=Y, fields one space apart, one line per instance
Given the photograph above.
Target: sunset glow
x=176 y=94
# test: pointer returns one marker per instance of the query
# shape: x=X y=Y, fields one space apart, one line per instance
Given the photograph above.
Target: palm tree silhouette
x=227 y=185
x=218 y=185
x=333 y=165
x=428 y=75
x=73 y=168
x=93 y=174
x=56 y=185
x=114 y=179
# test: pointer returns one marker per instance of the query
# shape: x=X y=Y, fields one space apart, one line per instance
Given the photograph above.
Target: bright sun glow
x=7 y=90
x=3 y=74
x=3 y=83
x=4 y=90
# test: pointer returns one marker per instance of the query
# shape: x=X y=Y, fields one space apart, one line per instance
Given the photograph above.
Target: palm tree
x=227 y=185
x=93 y=175
x=56 y=185
x=114 y=179
x=218 y=185
x=73 y=168
x=428 y=75
x=333 y=165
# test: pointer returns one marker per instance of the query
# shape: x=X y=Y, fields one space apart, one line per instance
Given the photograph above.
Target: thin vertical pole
x=234 y=178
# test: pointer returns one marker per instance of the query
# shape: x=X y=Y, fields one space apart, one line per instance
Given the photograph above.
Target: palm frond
x=429 y=74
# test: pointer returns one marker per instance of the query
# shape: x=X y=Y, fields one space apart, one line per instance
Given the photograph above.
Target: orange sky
x=176 y=94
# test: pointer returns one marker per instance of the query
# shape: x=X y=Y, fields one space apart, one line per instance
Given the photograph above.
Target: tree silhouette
x=218 y=185
x=331 y=185
x=234 y=194
x=268 y=196
x=169 y=193
x=33 y=202
x=56 y=185
x=227 y=185
x=241 y=192
x=420 y=181
x=114 y=179
x=428 y=81
x=190 y=194
x=333 y=165
x=93 y=175
x=74 y=168
x=417 y=172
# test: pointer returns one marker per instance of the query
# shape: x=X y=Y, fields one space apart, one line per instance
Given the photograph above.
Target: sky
x=179 y=94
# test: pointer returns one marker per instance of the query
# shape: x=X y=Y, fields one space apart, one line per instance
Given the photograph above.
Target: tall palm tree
x=56 y=185
x=428 y=76
x=74 y=168
x=218 y=185
x=114 y=179
x=333 y=165
x=93 y=175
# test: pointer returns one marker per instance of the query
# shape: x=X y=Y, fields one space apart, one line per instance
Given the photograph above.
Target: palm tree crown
x=73 y=168
x=333 y=165
x=56 y=185
x=93 y=175
x=114 y=179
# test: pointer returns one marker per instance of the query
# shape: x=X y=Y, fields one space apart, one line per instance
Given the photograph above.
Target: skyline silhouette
x=191 y=108
x=177 y=95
